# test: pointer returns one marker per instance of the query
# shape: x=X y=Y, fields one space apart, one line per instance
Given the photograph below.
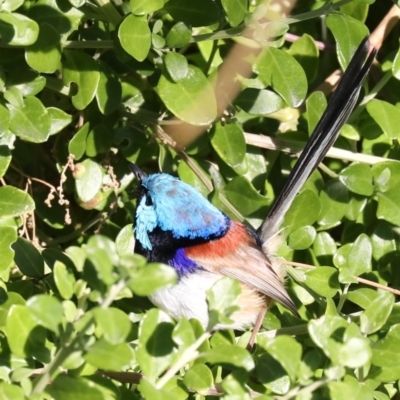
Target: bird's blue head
x=175 y=207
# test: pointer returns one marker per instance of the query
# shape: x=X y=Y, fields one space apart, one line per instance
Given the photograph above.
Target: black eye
x=149 y=201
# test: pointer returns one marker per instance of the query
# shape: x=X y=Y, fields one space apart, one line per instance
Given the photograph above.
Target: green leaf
x=88 y=179
x=323 y=280
x=296 y=217
x=229 y=143
x=198 y=378
x=135 y=36
x=271 y=374
x=362 y=297
x=229 y=354
x=63 y=17
x=242 y=194
x=4 y=119
x=46 y=311
x=102 y=254
x=334 y=203
x=98 y=140
x=340 y=390
x=114 y=323
x=360 y=256
x=389 y=206
x=155 y=351
x=11 y=5
x=105 y=355
x=81 y=69
x=58 y=120
x=151 y=392
x=14 y=202
x=183 y=333
x=386 y=175
x=77 y=145
x=11 y=392
x=28 y=259
x=191 y=99
x=288 y=352
x=383 y=240
x=64 y=280
x=279 y=69
x=25 y=337
x=324 y=244
x=31 y=122
x=323 y=328
x=14 y=97
x=306 y=52
x=8 y=235
x=78 y=387
x=376 y=313
x=302 y=238
x=348 y=33
x=222 y=300
x=141 y=7
x=187 y=175
x=17 y=29
x=27 y=81
x=193 y=13
x=150 y=278
x=386 y=115
x=259 y=102
x=109 y=90
x=176 y=65
x=45 y=54
x=316 y=105
x=125 y=241
x=235 y=10
x=384 y=354
x=11 y=300
x=179 y=35
x=396 y=65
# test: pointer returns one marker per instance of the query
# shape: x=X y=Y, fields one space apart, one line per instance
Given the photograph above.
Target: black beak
x=139 y=174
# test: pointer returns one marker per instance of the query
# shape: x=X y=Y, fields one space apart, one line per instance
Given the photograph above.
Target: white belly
x=188 y=299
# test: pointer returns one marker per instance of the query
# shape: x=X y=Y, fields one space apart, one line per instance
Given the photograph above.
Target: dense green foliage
x=86 y=86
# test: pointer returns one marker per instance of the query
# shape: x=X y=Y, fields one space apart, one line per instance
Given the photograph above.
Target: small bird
x=176 y=225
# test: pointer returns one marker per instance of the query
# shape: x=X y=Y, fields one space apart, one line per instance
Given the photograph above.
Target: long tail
x=325 y=133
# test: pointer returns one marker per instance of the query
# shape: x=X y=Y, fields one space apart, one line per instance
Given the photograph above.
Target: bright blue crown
x=179 y=208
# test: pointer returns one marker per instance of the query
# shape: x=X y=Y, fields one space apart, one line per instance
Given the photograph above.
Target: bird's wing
x=237 y=255
x=325 y=133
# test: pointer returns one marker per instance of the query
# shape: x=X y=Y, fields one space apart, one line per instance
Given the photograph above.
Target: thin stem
x=328 y=171
x=188 y=355
x=376 y=89
x=88 y=44
x=372 y=94
x=343 y=297
x=211 y=58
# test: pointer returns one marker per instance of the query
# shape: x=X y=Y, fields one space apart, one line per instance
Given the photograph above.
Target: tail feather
x=325 y=133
